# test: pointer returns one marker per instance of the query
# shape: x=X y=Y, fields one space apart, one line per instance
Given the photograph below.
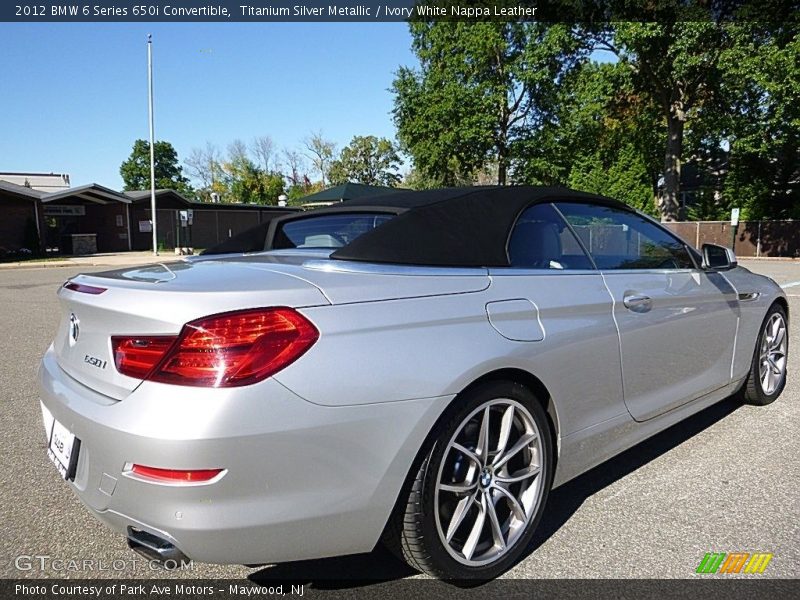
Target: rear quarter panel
x=430 y=347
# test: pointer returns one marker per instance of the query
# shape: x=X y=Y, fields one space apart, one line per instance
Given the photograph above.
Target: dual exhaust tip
x=156 y=549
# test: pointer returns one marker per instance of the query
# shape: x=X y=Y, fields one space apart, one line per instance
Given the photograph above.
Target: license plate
x=62 y=445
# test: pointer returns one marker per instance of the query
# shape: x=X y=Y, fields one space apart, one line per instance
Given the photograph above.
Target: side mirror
x=718 y=258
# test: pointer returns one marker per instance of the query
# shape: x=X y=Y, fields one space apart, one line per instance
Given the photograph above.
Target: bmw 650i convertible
x=419 y=368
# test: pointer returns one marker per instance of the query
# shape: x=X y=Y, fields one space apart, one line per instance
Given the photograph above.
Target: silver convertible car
x=420 y=368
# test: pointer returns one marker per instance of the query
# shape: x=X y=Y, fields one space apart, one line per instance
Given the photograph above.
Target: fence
x=753 y=238
x=212 y=224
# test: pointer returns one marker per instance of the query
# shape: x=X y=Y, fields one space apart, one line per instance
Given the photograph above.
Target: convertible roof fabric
x=456 y=227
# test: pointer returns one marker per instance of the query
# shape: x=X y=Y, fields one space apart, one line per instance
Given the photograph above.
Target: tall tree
x=676 y=62
x=204 y=165
x=368 y=160
x=235 y=178
x=321 y=153
x=295 y=167
x=479 y=88
x=264 y=151
x=605 y=138
x=762 y=128
x=135 y=171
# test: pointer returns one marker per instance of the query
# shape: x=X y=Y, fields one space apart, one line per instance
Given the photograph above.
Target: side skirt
x=587 y=448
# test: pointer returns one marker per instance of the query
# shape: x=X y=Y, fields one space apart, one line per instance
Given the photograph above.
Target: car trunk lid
x=157 y=300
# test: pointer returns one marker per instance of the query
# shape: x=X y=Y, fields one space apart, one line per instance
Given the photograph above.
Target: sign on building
x=61 y=210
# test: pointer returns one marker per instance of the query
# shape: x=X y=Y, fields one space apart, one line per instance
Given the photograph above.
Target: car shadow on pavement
x=341 y=572
x=381 y=566
x=566 y=499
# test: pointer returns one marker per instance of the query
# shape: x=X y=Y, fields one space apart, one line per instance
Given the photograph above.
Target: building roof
x=93 y=192
x=19 y=191
x=348 y=191
x=144 y=195
x=33 y=174
x=43 y=182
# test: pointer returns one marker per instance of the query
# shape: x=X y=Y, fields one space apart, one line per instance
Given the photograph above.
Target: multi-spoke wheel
x=480 y=490
x=768 y=372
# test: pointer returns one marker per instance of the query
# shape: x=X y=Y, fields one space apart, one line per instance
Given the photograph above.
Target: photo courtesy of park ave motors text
x=400 y=299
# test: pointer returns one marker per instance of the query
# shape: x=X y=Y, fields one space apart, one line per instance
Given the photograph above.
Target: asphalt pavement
x=726 y=480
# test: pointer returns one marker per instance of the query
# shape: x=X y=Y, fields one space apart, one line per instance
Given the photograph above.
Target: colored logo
x=734 y=562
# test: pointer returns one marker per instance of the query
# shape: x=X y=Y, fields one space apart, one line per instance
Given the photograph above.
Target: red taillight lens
x=136 y=356
x=84 y=289
x=175 y=475
x=237 y=348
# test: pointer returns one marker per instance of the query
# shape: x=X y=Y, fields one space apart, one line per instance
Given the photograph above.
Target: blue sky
x=74 y=96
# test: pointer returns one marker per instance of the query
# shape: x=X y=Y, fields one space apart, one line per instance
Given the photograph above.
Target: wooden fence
x=752 y=238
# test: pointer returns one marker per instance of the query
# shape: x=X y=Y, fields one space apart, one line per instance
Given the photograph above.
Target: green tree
x=675 y=62
x=237 y=177
x=761 y=124
x=610 y=137
x=135 y=171
x=321 y=153
x=480 y=88
x=624 y=179
x=697 y=84
x=204 y=165
x=368 y=160
x=250 y=184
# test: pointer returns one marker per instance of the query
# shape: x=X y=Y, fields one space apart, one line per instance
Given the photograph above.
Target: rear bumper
x=303 y=481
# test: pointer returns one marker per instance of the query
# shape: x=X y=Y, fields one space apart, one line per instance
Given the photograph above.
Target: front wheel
x=767 y=376
x=480 y=489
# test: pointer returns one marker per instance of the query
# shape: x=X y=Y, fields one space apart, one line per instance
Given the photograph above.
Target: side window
x=618 y=239
x=541 y=240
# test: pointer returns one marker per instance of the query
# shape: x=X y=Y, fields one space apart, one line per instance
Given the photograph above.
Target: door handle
x=638 y=302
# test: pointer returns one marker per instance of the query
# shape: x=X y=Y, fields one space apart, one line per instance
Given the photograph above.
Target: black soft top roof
x=449 y=227
x=457 y=227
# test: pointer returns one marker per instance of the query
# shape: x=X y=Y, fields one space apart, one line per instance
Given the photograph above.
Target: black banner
x=419 y=589
x=777 y=11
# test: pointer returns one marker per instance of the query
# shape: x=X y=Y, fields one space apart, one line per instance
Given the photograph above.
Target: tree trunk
x=669 y=203
x=502 y=166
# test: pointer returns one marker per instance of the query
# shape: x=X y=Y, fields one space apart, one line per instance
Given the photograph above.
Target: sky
x=73 y=97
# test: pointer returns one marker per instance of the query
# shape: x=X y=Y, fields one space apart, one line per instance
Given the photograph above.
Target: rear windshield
x=326 y=231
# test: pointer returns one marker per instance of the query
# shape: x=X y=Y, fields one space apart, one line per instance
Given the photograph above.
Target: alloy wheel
x=772 y=354
x=489 y=484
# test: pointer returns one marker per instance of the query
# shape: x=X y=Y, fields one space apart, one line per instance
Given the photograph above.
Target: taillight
x=225 y=350
x=84 y=289
x=135 y=356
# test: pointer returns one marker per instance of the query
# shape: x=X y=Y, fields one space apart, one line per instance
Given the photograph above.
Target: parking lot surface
x=726 y=480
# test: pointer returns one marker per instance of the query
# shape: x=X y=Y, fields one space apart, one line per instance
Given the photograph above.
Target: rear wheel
x=480 y=490
x=767 y=376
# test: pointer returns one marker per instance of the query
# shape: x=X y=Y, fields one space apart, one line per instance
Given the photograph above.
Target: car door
x=677 y=323
x=553 y=307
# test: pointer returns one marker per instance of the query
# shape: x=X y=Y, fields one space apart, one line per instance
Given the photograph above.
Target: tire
x=758 y=389
x=456 y=491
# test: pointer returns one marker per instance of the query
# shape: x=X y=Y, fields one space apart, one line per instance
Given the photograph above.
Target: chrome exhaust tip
x=156 y=549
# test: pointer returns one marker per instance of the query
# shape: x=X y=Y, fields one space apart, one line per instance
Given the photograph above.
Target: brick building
x=93 y=218
x=21 y=220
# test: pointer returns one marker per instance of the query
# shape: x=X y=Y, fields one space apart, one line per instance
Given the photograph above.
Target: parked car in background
x=421 y=368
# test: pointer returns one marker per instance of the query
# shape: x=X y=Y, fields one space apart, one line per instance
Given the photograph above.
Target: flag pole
x=152 y=141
